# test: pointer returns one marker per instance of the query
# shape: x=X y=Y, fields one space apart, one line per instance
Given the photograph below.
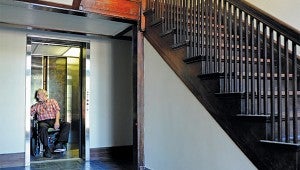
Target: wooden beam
x=125 y=9
x=142 y=16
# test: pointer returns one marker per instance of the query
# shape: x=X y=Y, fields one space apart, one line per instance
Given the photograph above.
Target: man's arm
x=57 y=117
x=32 y=110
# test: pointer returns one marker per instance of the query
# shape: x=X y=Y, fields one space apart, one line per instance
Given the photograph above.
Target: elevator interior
x=56 y=67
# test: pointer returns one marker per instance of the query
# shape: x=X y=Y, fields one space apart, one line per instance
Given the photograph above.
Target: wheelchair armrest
x=53 y=130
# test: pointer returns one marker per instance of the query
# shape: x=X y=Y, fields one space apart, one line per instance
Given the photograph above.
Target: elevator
x=62 y=68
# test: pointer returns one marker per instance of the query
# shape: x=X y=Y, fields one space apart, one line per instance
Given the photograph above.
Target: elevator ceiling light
x=49 y=50
x=72 y=52
x=65 y=2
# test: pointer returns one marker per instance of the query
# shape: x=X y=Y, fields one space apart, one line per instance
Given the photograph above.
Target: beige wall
x=111 y=82
x=179 y=132
x=286 y=11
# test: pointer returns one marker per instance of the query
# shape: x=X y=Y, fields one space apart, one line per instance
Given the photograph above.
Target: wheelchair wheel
x=35 y=149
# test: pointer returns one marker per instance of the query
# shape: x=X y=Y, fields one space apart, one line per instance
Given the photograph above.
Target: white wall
x=286 y=11
x=179 y=132
x=111 y=82
x=12 y=91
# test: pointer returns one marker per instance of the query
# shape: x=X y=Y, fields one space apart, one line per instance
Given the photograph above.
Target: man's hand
x=56 y=125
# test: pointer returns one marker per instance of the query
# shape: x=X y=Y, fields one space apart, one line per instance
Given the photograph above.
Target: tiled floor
x=74 y=164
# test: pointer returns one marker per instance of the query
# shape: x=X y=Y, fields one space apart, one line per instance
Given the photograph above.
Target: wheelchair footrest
x=59 y=150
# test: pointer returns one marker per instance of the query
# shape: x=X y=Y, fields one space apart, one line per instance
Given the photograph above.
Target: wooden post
x=140 y=100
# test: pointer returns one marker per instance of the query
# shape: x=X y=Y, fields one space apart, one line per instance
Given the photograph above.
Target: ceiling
x=60 y=19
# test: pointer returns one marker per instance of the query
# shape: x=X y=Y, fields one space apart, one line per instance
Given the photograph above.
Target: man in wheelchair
x=48 y=116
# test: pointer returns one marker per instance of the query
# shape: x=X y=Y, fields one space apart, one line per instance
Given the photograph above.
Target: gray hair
x=43 y=91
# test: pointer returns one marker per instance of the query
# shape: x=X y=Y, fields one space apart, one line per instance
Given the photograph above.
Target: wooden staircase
x=242 y=65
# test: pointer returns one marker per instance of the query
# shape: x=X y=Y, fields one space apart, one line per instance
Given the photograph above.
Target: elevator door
x=59 y=75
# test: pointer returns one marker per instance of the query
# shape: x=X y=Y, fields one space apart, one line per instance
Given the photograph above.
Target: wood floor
x=74 y=164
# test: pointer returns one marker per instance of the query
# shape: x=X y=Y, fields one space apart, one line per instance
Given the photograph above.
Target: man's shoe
x=47 y=153
x=59 y=147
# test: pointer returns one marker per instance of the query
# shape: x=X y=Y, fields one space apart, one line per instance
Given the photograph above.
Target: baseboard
x=115 y=152
x=12 y=160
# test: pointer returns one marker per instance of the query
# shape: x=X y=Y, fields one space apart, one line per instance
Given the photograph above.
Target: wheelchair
x=36 y=145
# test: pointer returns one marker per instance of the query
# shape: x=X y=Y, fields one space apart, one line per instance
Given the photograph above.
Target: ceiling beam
x=125 y=9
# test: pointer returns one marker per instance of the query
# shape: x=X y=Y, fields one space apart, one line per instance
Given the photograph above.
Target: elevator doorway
x=60 y=67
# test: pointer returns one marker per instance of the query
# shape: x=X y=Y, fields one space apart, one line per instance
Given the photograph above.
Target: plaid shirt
x=45 y=110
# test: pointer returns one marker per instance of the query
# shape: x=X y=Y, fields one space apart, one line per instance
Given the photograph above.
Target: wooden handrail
x=283 y=28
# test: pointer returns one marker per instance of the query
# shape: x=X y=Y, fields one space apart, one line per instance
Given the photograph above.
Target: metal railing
x=256 y=55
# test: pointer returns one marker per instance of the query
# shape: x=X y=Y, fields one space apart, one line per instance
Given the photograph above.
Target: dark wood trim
x=114 y=152
x=12 y=160
x=134 y=95
x=140 y=98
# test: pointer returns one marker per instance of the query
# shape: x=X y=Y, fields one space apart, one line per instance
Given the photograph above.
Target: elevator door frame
x=84 y=148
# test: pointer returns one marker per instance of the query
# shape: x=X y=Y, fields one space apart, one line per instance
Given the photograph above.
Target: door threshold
x=56 y=160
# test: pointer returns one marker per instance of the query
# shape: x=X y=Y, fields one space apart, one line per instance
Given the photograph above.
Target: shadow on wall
x=121 y=99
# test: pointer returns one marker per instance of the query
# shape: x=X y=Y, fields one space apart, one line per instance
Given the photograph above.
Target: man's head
x=41 y=95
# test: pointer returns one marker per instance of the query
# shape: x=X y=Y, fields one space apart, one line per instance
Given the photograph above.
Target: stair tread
x=201 y=58
x=286 y=145
x=188 y=43
x=262 y=75
x=251 y=117
x=242 y=94
x=266 y=116
x=213 y=34
x=191 y=22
